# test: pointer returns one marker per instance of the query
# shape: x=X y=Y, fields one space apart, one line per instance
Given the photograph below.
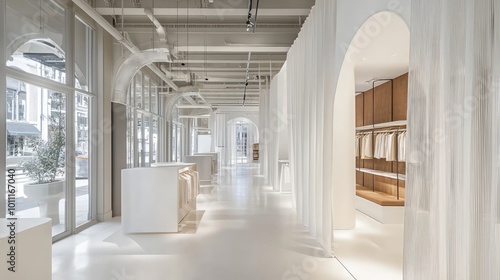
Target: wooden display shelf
x=380 y=198
x=383 y=173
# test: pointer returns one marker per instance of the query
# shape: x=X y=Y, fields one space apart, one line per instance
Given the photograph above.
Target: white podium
x=33 y=254
x=154 y=200
x=216 y=161
x=204 y=164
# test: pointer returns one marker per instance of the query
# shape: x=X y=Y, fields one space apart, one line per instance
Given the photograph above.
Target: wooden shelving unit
x=381 y=108
x=256 y=151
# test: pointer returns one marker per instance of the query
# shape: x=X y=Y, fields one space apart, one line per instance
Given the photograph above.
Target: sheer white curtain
x=310 y=87
x=452 y=217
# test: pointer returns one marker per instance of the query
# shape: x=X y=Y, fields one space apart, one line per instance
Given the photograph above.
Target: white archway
x=241 y=134
x=365 y=57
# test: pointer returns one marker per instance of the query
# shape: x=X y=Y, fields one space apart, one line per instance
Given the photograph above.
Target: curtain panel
x=310 y=88
x=452 y=216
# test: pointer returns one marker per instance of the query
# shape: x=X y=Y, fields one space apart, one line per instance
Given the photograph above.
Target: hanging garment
x=402 y=147
x=380 y=145
x=391 y=147
x=357 y=146
x=367 y=149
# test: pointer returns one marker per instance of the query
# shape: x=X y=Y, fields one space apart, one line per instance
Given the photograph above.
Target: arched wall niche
x=379 y=49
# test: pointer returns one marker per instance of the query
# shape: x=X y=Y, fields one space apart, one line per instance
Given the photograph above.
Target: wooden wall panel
x=368 y=180
x=390 y=104
x=386 y=185
x=359 y=178
x=359 y=110
x=402 y=188
x=383 y=103
x=400 y=97
x=401 y=167
x=368 y=108
x=382 y=164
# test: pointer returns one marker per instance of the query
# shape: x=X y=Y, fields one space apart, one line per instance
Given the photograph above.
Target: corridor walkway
x=242 y=230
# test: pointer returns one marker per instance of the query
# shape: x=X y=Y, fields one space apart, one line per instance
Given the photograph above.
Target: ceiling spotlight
x=251 y=25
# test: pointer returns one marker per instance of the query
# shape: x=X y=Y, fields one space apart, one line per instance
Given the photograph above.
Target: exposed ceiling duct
x=162 y=33
x=119 y=37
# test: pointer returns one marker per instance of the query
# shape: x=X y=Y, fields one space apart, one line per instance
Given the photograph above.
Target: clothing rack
x=382 y=131
x=391 y=128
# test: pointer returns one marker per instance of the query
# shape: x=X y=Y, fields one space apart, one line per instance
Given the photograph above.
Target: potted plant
x=48 y=164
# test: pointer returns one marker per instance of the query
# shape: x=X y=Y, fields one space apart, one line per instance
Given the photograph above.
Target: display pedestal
x=33 y=239
x=216 y=161
x=383 y=214
x=204 y=166
x=154 y=200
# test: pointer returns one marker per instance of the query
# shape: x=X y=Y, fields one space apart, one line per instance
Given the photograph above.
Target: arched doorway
x=241 y=134
x=369 y=99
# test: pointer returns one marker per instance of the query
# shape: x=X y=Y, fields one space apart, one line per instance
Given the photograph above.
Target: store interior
x=247 y=139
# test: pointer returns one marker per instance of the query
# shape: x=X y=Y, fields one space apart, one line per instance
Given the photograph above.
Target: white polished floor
x=242 y=230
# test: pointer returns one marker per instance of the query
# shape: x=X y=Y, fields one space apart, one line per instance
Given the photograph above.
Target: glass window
x=82 y=160
x=146 y=96
x=155 y=140
x=140 y=136
x=146 y=142
x=36 y=155
x=84 y=40
x=130 y=137
x=43 y=19
x=138 y=90
x=154 y=98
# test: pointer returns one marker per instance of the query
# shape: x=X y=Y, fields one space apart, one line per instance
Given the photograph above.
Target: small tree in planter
x=48 y=163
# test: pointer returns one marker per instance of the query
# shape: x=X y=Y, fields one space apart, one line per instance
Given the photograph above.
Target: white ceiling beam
x=227 y=74
x=226 y=61
x=231 y=98
x=196 y=69
x=227 y=93
x=193 y=106
x=222 y=89
x=221 y=80
x=203 y=12
x=205 y=116
x=232 y=49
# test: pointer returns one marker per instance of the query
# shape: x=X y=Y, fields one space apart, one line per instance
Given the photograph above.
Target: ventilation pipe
x=118 y=36
x=159 y=28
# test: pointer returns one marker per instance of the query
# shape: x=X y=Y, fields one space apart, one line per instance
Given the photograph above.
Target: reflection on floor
x=241 y=230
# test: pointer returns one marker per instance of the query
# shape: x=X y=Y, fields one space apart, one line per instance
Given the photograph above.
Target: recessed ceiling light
x=364 y=58
x=394 y=54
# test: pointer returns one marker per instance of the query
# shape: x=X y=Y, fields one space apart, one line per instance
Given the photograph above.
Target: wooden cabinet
x=256 y=151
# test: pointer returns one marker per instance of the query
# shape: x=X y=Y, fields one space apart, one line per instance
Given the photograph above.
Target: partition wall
x=63 y=72
x=452 y=197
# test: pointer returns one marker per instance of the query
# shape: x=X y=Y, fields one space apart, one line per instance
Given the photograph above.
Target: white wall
x=344 y=165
